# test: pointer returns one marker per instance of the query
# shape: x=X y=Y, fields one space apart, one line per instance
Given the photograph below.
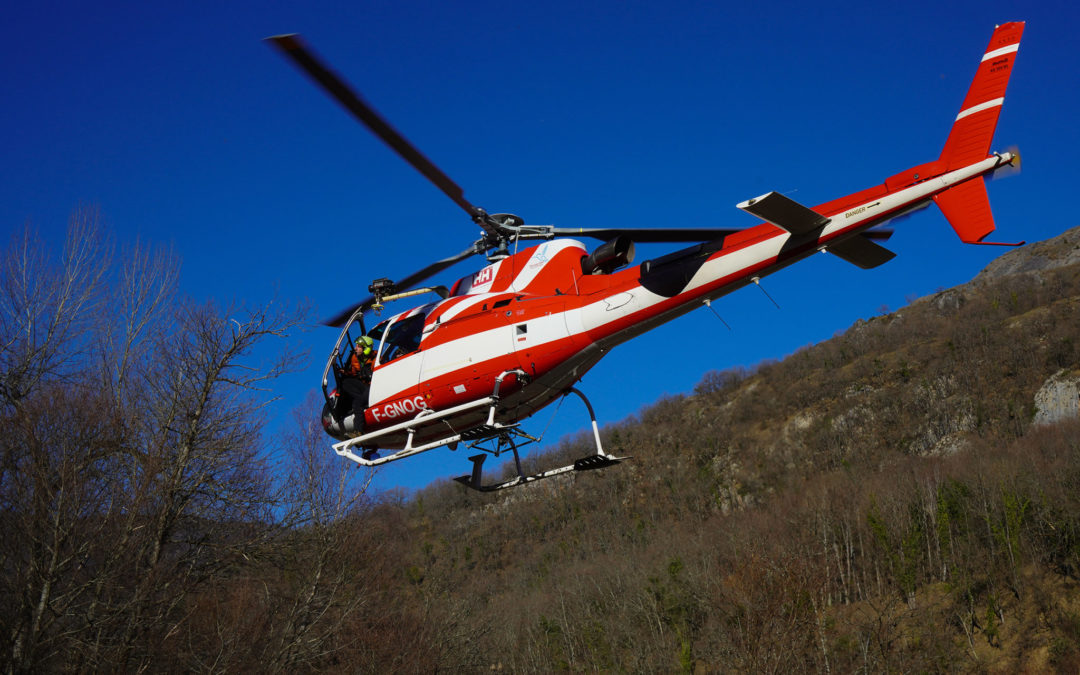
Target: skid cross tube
x=598 y=461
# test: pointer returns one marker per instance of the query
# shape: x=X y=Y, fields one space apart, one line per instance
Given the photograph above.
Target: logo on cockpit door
x=484 y=276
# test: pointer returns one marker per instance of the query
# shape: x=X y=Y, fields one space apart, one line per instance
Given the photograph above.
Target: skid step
x=486 y=431
x=584 y=464
x=596 y=462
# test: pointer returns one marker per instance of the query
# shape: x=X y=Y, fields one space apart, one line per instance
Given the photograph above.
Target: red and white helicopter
x=506 y=341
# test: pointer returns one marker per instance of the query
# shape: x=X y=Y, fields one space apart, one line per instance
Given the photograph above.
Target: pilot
x=356 y=378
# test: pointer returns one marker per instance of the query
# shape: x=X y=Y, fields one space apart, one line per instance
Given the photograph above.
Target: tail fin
x=966 y=206
x=969 y=140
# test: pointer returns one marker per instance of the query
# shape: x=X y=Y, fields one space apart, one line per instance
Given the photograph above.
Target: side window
x=402 y=338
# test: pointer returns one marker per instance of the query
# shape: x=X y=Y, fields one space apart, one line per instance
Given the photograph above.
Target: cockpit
x=393 y=338
x=398 y=336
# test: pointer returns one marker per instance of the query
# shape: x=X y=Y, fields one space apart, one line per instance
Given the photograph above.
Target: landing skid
x=505 y=438
x=501 y=436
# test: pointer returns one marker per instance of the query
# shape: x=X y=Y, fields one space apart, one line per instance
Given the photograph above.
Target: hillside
x=881 y=500
x=902 y=497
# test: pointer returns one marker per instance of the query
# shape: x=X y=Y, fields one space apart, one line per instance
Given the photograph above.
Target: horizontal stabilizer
x=784 y=213
x=861 y=252
x=967 y=208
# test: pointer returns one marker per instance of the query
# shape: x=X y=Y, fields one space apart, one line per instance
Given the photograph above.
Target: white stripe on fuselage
x=403 y=374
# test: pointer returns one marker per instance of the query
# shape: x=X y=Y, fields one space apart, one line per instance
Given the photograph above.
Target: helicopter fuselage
x=537 y=312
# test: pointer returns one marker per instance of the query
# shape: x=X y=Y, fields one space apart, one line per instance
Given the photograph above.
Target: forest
x=897 y=498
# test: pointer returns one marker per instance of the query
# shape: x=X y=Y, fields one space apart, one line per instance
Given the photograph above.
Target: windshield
x=402 y=337
x=377 y=332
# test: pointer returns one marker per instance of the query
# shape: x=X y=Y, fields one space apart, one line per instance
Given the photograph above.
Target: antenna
x=757 y=282
x=708 y=303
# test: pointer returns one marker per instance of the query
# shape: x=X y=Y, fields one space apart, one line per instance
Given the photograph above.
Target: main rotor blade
x=404 y=284
x=292 y=46
x=648 y=235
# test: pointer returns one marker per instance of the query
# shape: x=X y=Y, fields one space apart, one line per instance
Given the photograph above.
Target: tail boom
x=959 y=193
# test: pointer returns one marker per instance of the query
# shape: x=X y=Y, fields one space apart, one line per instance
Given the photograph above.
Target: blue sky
x=184 y=127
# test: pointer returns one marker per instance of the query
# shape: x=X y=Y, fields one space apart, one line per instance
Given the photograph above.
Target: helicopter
x=477 y=360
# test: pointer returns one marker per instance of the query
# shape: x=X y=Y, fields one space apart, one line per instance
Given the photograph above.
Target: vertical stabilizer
x=971 y=135
x=966 y=206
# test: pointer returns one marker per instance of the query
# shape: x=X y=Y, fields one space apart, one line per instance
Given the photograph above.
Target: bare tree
x=46 y=306
x=140 y=299
x=131 y=462
x=325 y=549
x=204 y=489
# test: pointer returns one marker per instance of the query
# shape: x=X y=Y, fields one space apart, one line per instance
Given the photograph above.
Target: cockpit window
x=402 y=337
x=377 y=332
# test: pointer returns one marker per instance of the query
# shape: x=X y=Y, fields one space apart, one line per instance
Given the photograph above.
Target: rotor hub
x=507 y=220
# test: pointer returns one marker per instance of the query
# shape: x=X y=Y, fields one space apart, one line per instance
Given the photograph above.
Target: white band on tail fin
x=979 y=108
x=1000 y=52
